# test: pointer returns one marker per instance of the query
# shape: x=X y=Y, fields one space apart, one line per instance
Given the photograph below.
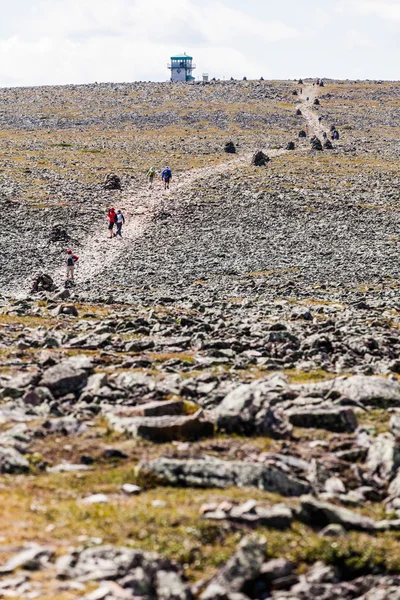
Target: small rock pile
x=112 y=182
x=316 y=143
x=230 y=148
x=59 y=234
x=42 y=282
x=260 y=159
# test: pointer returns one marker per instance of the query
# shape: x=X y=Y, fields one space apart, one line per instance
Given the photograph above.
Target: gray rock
x=383 y=457
x=163 y=429
x=152 y=409
x=12 y=461
x=247 y=410
x=338 y=419
x=277 y=569
x=333 y=530
x=395 y=425
x=169 y=586
x=394 y=487
x=321 y=573
x=375 y=391
x=109 y=562
x=245 y=565
x=32 y=559
x=224 y=474
x=69 y=376
x=320 y=514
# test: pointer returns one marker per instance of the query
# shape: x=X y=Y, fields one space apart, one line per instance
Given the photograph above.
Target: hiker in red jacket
x=70 y=261
x=112 y=219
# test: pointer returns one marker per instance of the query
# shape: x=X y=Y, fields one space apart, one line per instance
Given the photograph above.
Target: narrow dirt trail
x=311 y=117
x=139 y=207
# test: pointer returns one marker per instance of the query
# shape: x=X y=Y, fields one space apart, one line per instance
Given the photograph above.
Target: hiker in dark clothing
x=120 y=221
x=166 y=176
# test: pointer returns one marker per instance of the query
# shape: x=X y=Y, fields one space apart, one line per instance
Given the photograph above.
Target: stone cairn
x=42 y=283
x=315 y=143
x=260 y=159
x=112 y=182
x=58 y=234
x=298 y=112
x=230 y=148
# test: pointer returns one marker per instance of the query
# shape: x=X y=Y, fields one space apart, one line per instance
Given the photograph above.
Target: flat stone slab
x=223 y=474
x=165 y=428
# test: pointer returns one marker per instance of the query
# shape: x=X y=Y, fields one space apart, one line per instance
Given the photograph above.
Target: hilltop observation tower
x=181 y=67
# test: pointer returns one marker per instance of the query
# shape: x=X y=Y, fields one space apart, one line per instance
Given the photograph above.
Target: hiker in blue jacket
x=166 y=176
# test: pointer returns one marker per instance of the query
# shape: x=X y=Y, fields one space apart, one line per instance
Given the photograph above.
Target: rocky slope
x=213 y=410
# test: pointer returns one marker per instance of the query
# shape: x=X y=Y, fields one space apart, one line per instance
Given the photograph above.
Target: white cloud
x=85 y=40
x=356 y=39
x=379 y=8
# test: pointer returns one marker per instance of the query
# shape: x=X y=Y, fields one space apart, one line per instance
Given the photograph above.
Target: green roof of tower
x=181 y=57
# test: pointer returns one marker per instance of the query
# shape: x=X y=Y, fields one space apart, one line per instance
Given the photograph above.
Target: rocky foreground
x=213 y=410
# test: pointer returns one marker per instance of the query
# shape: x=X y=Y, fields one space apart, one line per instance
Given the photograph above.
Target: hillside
x=221 y=385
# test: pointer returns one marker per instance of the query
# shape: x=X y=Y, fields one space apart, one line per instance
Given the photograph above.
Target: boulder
x=361 y=389
x=247 y=410
x=260 y=159
x=112 y=182
x=224 y=474
x=68 y=376
x=320 y=514
x=316 y=102
x=337 y=419
x=290 y=146
x=302 y=134
x=298 y=112
x=328 y=145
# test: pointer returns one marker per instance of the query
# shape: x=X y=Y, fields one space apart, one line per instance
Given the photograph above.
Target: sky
x=46 y=42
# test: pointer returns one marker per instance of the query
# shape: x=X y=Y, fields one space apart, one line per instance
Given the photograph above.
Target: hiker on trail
x=70 y=261
x=336 y=135
x=320 y=119
x=151 y=174
x=166 y=176
x=112 y=219
x=120 y=221
x=324 y=135
x=307 y=98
